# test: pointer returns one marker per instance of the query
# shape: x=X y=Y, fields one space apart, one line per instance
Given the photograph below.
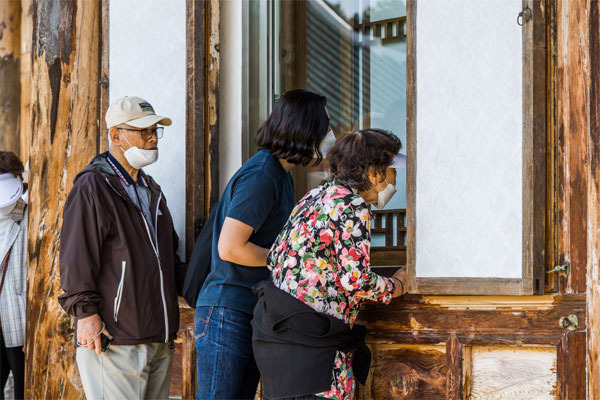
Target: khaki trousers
x=140 y=371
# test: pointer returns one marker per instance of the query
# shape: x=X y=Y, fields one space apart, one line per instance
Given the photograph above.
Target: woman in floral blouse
x=322 y=255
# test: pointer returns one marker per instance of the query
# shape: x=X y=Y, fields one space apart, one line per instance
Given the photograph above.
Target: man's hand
x=400 y=283
x=87 y=329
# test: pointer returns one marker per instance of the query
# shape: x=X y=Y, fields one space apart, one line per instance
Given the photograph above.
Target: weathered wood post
x=593 y=234
x=64 y=137
x=10 y=91
x=25 y=67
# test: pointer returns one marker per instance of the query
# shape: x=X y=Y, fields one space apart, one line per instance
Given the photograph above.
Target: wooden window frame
x=534 y=169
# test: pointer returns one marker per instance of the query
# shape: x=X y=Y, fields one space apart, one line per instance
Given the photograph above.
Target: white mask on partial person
x=385 y=195
x=5 y=211
x=139 y=158
x=327 y=143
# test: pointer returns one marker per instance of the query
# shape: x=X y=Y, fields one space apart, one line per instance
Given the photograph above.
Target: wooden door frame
x=104 y=74
x=202 y=122
x=534 y=173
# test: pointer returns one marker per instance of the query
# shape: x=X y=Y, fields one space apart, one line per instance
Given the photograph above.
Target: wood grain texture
x=406 y=372
x=25 y=66
x=195 y=116
x=64 y=138
x=534 y=150
x=188 y=377
x=570 y=367
x=513 y=373
x=180 y=373
x=211 y=120
x=551 y=241
x=104 y=75
x=472 y=286
x=10 y=73
x=411 y=142
x=416 y=319
x=577 y=115
x=593 y=264
x=202 y=123
x=573 y=127
x=454 y=368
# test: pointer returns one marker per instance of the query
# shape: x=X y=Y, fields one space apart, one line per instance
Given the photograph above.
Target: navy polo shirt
x=261 y=195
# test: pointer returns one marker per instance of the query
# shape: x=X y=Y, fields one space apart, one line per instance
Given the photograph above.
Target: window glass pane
x=354 y=53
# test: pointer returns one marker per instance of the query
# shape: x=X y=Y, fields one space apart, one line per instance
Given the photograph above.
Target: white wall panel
x=469 y=139
x=147 y=59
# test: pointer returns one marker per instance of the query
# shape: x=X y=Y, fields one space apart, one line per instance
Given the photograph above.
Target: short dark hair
x=11 y=163
x=296 y=127
x=356 y=154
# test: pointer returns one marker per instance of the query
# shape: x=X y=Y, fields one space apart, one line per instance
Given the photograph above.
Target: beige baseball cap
x=133 y=111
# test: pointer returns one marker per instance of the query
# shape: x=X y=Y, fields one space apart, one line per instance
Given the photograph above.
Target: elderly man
x=118 y=264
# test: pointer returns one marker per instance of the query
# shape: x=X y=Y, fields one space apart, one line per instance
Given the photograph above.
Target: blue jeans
x=224 y=360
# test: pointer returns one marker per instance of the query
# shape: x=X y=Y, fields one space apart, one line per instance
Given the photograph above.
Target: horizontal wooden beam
x=471 y=286
x=413 y=319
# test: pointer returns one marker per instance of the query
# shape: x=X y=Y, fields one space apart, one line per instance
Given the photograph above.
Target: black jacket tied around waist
x=295 y=346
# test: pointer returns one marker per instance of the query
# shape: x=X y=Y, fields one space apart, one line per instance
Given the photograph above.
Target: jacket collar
x=100 y=164
x=18 y=212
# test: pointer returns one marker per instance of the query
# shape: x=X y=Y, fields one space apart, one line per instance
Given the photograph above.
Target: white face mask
x=385 y=195
x=327 y=143
x=139 y=158
x=5 y=211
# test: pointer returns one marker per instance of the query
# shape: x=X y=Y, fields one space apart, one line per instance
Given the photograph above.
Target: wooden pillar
x=202 y=117
x=10 y=91
x=25 y=70
x=64 y=138
x=578 y=175
x=572 y=113
x=593 y=270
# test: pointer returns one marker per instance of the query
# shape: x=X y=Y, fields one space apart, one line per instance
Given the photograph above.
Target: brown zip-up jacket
x=108 y=263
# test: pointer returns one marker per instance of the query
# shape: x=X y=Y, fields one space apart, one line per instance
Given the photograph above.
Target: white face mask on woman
x=385 y=195
x=139 y=158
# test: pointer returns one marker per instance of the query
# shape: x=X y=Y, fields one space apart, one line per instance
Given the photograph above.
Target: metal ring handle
x=524 y=16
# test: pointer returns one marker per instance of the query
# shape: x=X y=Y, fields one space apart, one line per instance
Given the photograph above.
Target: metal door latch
x=561 y=268
x=524 y=16
x=569 y=323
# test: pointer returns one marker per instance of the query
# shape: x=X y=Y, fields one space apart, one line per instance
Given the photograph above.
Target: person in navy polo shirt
x=252 y=211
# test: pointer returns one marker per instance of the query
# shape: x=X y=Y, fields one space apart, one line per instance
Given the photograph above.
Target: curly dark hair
x=357 y=154
x=11 y=163
x=296 y=127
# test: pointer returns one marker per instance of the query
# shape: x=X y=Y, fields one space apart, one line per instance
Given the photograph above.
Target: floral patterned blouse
x=321 y=257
